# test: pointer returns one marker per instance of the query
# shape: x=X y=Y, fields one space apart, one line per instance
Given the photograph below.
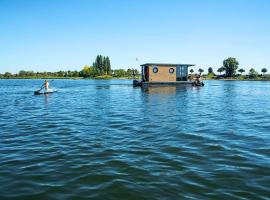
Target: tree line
x=101 y=67
x=230 y=68
x=32 y=74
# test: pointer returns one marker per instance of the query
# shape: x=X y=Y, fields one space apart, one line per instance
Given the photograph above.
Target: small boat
x=196 y=83
x=49 y=91
x=137 y=83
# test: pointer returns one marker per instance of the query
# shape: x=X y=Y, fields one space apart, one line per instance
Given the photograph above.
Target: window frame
x=155 y=69
x=173 y=70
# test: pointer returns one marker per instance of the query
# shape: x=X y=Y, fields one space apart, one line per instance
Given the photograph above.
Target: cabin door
x=146 y=73
x=181 y=73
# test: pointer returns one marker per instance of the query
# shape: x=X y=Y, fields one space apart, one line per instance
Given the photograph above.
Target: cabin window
x=155 y=70
x=171 y=70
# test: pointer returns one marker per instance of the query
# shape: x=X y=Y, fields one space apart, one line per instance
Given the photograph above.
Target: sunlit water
x=108 y=140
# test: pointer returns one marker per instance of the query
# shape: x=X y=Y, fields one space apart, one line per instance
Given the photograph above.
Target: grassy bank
x=34 y=77
x=238 y=78
x=104 y=77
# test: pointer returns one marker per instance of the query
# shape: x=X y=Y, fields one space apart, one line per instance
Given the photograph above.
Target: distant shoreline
x=70 y=78
x=116 y=78
x=226 y=79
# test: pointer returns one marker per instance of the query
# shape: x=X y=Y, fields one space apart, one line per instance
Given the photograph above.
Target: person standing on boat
x=46 y=85
x=200 y=78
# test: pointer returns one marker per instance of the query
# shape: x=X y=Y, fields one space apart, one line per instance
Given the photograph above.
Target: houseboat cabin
x=157 y=73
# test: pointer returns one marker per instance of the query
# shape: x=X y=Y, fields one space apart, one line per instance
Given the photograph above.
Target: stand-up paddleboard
x=43 y=91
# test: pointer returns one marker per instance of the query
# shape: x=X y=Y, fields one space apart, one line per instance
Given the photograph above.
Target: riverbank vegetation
x=100 y=69
x=230 y=71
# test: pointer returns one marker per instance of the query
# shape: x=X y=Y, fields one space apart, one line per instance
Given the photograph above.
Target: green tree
x=210 y=70
x=98 y=65
x=129 y=72
x=201 y=70
x=241 y=71
x=136 y=72
x=76 y=73
x=86 y=71
x=102 y=65
x=107 y=65
x=119 y=72
x=253 y=73
x=191 y=71
x=60 y=73
x=264 y=70
x=23 y=73
x=7 y=75
x=230 y=64
x=220 y=70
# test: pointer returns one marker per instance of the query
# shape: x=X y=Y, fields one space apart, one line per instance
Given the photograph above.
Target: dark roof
x=166 y=64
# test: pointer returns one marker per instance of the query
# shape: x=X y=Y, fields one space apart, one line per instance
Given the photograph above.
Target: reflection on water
x=98 y=139
x=159 y=89
x=167 y=89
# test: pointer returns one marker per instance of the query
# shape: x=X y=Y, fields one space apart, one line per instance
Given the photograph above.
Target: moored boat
x=195 y=83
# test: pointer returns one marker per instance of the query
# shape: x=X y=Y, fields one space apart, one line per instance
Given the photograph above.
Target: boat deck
x=168 y=83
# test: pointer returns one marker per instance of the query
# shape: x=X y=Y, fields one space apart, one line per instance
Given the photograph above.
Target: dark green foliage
x=26 y=73
x=200 y=70
x=253 y=73
x=230 y=65
x=241 y=70
x=119 y=73
x=102 y=65
x=32 y=74
x=7 y=75
x=264 y=70
x=132 y=72
x=210 y=70
x=107 y=64
x=220 y=70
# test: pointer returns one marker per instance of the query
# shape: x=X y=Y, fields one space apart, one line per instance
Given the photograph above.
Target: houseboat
x=164 y=73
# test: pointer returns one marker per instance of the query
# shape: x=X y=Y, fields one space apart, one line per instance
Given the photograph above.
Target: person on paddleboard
x=46 y=85
x=44 y=88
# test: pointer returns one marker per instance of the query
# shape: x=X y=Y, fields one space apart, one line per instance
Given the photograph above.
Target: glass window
x=155 y=70
x=171 y=70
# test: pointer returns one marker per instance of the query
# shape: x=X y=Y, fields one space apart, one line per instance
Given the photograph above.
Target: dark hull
x=137 y=83
x=168 y=83
x=198 y=84
x=40 y=93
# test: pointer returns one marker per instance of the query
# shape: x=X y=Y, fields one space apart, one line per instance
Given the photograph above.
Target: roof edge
x=166 y=64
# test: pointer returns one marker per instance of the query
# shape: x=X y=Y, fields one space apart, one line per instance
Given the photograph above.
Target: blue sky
x=52 y=35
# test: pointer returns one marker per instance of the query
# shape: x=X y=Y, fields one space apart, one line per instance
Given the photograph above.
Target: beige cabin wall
x=162 y=75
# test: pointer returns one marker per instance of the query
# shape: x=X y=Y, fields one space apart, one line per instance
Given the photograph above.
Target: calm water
x=108 y=140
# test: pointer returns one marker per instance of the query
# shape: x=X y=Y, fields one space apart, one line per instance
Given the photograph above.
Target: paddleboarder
x=46 y=85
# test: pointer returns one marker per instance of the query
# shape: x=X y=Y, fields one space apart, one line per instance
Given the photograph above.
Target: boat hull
x=44 y=92
x=167 y=83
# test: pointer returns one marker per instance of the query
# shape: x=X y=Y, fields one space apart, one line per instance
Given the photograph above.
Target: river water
x=97 y=139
